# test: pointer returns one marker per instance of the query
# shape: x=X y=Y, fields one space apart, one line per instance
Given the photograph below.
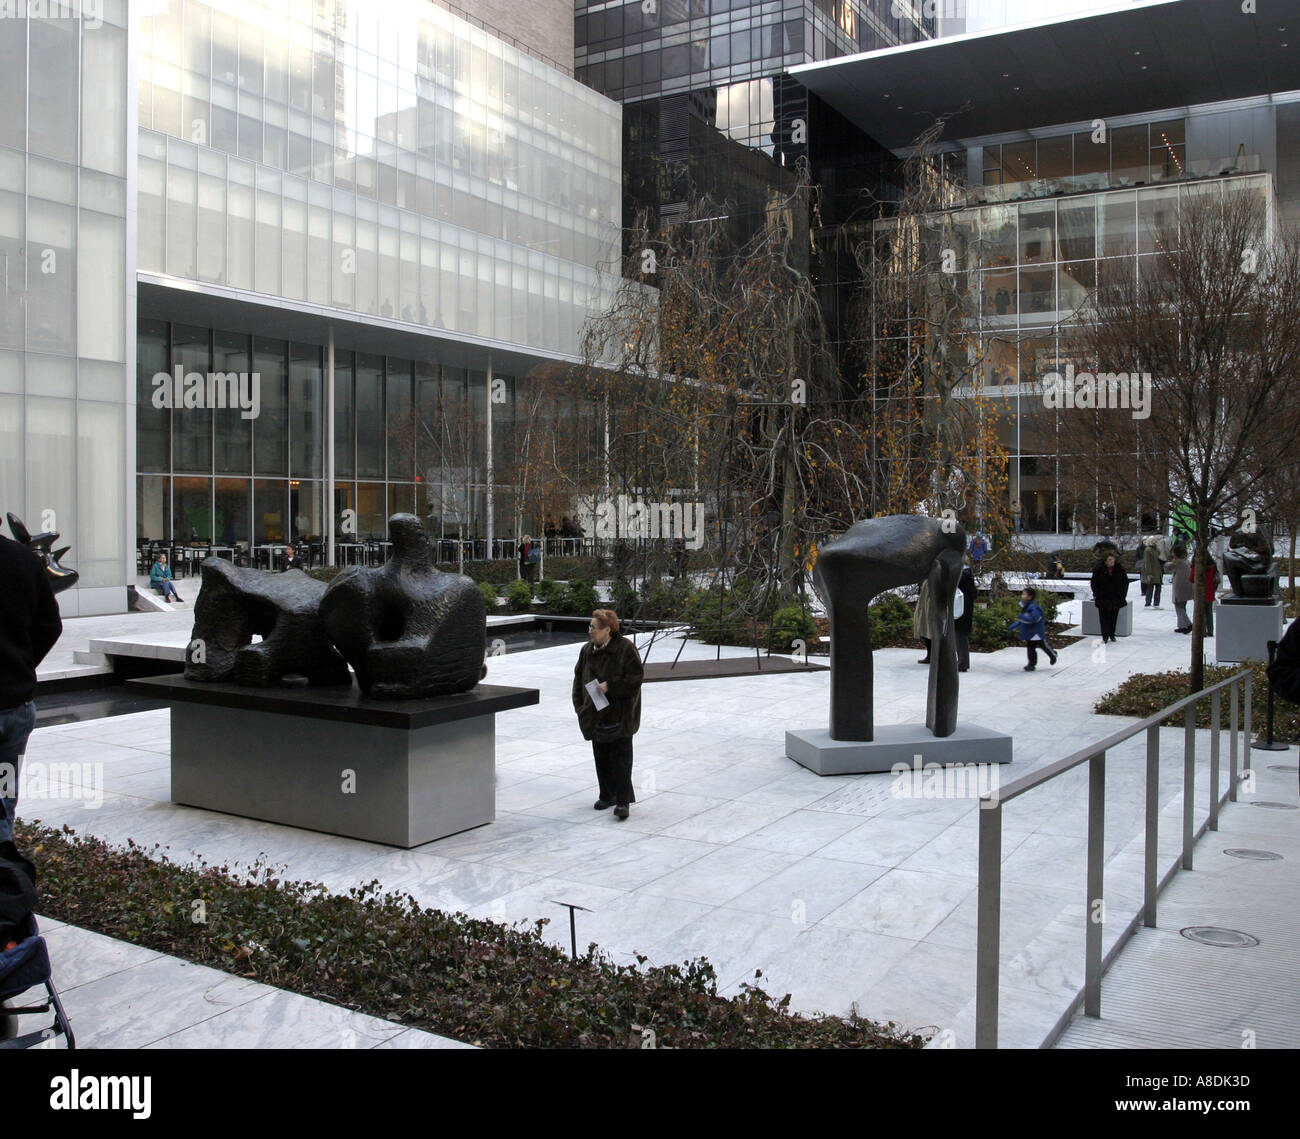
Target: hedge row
x=385 y=955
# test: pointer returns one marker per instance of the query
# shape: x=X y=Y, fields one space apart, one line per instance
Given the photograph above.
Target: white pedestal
x=1092 y=621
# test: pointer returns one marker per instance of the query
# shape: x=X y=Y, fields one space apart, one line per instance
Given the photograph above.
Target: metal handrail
x=989 y=897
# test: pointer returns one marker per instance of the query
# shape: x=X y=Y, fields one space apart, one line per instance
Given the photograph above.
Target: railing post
x=1189 y=780
x=988 y=936
x=1096 y=909
x=1151 y=851
x=1216 y=710
x=1245 y=715
x=1233 y=742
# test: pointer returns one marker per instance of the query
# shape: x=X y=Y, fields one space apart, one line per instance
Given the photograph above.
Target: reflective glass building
x=382 y=212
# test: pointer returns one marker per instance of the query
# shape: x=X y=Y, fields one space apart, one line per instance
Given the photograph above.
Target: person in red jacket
x=1211 y=587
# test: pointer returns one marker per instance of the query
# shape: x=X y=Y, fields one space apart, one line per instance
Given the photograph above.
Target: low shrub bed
x=382 y=954
x=1145 y=693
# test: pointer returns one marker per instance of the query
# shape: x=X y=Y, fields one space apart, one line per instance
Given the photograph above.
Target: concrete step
x=81 y=656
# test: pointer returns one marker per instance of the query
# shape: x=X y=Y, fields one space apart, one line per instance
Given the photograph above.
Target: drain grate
x=1219 y=937
x=1252 y=855
x=1290 y=768
x=1269 y=805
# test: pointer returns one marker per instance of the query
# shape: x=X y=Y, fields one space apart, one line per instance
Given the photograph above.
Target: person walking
x=160 y=579
x=1152 y=573
x=30 y=626
x=977 y=549
x=1031 y=626
x=1209 y=585
x=1180 y=572
x=291 y=560
x=525 y=559
x=607 y=698
x=962 y=624
x=1109 y=594
x=1016 y=511
x=921 y=620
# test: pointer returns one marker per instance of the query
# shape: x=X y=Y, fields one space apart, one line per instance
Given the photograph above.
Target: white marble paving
x=837 y=889
x=119 y=995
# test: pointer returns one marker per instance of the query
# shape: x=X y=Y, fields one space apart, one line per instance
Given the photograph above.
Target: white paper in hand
x=597 y=696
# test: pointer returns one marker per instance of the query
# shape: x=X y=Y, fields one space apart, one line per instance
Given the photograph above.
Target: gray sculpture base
x=894 y=744
x=397 y=772
x=1242 y=632
x=1092 y=621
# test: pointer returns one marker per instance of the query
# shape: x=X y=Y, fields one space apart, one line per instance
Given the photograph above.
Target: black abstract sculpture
x=236 y=604
x=61 y=577
x=1251 y=568
x=872 y=556
x=408 y=629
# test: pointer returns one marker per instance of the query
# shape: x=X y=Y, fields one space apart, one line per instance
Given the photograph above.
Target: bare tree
x=934 y=443
x=1214 y=319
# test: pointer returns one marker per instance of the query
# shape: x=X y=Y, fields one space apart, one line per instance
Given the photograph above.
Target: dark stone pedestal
x=401 y=772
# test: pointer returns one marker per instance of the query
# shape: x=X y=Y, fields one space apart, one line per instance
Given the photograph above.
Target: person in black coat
x=29 y=627
x=962 y=625
x=1284 y=672
x=1109 y=594
x=291 y=560
x=612 y=662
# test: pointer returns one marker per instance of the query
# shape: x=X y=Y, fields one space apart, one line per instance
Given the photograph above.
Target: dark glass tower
x=708 y=108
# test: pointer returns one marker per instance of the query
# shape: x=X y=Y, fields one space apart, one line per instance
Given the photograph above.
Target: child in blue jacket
x=1032 y=628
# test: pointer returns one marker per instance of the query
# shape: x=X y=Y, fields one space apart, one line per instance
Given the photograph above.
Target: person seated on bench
x=160 y=578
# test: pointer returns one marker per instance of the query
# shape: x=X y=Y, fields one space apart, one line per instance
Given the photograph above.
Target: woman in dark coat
x=611 y=660
x=1109 y=594
x=962 y=625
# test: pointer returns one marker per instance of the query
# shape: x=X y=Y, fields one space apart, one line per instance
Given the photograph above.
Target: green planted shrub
x=665 y=600
x=499 y=571
x=788 y=625
x=548 y=591
x=569 y=568
x=490 y=597
x=578 y=599
x=1145 y=693
x=519 y=596
x=624 y=600
x=890 y=618
x=989 y=623
x=716 y=617
x=383 y=954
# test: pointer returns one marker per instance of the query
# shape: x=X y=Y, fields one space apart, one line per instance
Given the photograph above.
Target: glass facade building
x=379 y=212
x=1029 y=267
x=66 y=186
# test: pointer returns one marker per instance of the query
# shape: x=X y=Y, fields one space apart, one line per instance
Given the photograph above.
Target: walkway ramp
x=1167 y=991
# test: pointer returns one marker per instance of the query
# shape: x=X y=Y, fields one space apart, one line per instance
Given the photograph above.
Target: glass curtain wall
x=384 y=159
x=410 y=436
x=1040 y=260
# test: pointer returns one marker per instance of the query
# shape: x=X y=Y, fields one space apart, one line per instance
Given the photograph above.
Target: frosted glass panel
x=52 y=117
x=101 y=288
x=101 y=492
x=52 y=462
x=103 y=103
